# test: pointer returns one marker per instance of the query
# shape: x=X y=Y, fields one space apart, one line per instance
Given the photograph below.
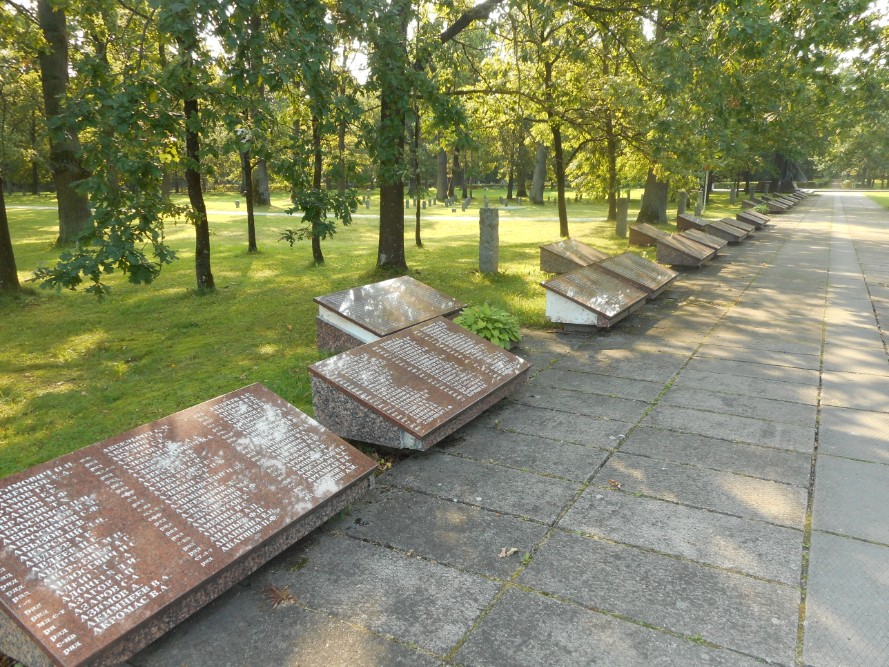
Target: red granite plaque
x=595 y=291
x=411 y=389
x=105 y=549
x=648 y=276
x=567 y=255
x=373 y=311
x=705 y=239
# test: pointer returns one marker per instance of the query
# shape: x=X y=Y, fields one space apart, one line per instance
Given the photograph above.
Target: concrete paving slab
x=855 y=390
x=744 y=406
x=403 y=597
x=733 y=427
x=526 y=452
x=752 y=460
x=805 y=361
x=243 y=628
x=772 y=344
x=851 y=498
x=589 y=405
x=607 y=385
x=856 y=434
x=873 y=361
x=579 y=429
x=632 y=369
x=751 y=369
x=491 y=487
x=741 y=545
x=846 y=619
x=725 y=492
x=740 y=385
x=727 y=609
x=574 y=635
x=441 y=530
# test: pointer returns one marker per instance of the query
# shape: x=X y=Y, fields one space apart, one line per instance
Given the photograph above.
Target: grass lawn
x=882 y=198
x=74 y=370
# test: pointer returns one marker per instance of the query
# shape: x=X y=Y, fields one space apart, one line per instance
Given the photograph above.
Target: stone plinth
x=107 y=548
x=568 y=255
x=413 y=388
x=686 y=221
x=758 y=220
x=673 y=250
x=682 y=203
x=648 y=276
x=706 y=239
x=489 y=240
x=744 y=226
x=592 y=297
x=364 y=314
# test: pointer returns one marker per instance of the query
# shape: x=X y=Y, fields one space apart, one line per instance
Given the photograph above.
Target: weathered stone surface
x=415 y=601
x=140 y=531
x=739 y=429
x=671 y=250
x=849 y=495
x=786 y=374
x=538 y=454
x=727 y=232
x=705 y=239
x=752 y=217
x=745 y=226
x=495 y=488
x=738 y=495
x=846 y=619
x=578 y=402
x=577 y=636
x=750 y=386
x=333 y=339
x=247 y=629
x=442 y=530
x=606 y=385
x=591 y=296
x=805 y=361
x=567 y=255
x=414 y=387
x=727 y=609
x=745 y=546
x=753 y=460
x=382 y=308
x=855 y=390
x=748 y=406
x=646 y=275
x=855 y=434
x=686 y=221
x=489 y=240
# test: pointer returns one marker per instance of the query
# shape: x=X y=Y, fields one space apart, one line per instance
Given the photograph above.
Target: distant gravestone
x=360 y=315
x=621 y=208
x=485 y=200
x=105 y=549
x=366 y=202
x=568 y=255
x=682 y=204
x=424 y=204
x=590 y=297
x=413 y=388
x=489 y=240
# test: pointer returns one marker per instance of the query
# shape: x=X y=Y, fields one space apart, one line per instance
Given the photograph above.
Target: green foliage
x=317 y=206
x=491 y=323
x=762 y=208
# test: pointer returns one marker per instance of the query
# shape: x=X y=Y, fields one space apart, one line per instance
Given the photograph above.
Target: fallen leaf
x=506 y=553
x=279 y=596
x=614 y=484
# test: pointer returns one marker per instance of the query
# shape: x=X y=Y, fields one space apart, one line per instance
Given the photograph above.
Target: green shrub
x=493 y=324
x=762 y=208
x=847 y=184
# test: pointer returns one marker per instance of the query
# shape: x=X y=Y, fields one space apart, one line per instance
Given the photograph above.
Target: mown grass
x=882 y=198
x=74 y=370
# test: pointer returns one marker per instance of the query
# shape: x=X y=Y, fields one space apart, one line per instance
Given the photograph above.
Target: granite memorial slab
x=414 y=387
x=749 y=204
x=672 y=250
x=744 y=226
x=706 y=239
x=360 y=315
x=729 y=233
x=686 y=221
x=591 y=297
x=644 y=274
x=758 y=220
x=105 y=549
x=567 y=255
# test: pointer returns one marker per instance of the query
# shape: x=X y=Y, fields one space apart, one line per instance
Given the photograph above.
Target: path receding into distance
x=706 y=483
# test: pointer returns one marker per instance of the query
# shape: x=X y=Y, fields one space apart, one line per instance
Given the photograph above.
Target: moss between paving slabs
x=74 y=370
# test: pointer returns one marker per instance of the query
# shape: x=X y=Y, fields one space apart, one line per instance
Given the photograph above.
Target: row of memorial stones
x=106 y=548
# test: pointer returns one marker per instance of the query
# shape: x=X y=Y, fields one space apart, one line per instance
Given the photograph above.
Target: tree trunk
x=510 y=181
x=455 y=173
x=35 y=170
x=538 y=183
x=390 y=249
x=317 y=167
x=196 y=197
x=521 y=166
x=611 y=161
x=262 y=195
x=9 y=277
x=64 y=146
x=247 y=170
x=559 y=167
x=441 y=175
x=653 y=208
x=416 y=158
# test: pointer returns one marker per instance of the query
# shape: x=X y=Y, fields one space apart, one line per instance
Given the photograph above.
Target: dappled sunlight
x=79 y=345
x=774 y=502
x=268 y=350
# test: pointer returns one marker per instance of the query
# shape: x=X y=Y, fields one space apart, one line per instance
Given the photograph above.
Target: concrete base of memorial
x=568 y=313
x=333 y=339
x=351 y=420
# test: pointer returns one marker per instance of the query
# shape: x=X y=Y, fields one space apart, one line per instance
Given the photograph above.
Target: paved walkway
x=708 y=483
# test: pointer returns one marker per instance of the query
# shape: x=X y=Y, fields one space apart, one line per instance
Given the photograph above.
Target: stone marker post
x=489 y=240
x=699 y=205
x=486 y=201
x=621 y=226
x=683 y=202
